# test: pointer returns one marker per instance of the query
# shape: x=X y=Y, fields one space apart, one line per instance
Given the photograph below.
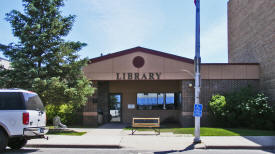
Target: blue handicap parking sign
x=197 y=110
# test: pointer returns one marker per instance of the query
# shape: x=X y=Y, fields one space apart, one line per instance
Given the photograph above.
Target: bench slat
x=146 y=123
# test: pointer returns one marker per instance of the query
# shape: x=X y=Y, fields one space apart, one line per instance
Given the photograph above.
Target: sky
x=109 y=26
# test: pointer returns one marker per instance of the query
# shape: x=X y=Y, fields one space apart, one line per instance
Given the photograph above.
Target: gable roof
x=141 y=49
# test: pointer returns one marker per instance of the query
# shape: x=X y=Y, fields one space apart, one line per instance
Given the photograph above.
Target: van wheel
x=3 y=140
x=17 y=143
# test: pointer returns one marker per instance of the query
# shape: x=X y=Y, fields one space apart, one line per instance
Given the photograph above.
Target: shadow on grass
x=113 y=125
x=57 y=131
x=251 y=132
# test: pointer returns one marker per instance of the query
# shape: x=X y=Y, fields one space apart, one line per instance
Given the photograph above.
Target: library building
x=141 y=82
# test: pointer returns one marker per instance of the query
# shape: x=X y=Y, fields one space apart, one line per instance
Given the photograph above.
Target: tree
x=113 y=102
x=42 y=61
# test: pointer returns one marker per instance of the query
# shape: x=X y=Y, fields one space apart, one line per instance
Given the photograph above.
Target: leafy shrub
x=66 y=112
x=235 y=106
x=217 y=109
x=244 y=108
x=259 y=111
x=51 y=112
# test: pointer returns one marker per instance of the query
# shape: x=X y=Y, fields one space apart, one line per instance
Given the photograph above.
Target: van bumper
x=35 y=132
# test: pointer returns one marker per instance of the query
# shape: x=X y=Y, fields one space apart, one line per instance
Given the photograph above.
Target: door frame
x=120 y=110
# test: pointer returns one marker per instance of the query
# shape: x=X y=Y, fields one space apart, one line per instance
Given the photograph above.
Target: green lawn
x=67 y=133
x=53 y=131
x=205 y=131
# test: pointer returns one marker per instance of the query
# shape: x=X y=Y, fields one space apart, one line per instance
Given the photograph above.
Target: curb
x=203 y=146
x=200 y=146
x=73 y=146
x=237 y=147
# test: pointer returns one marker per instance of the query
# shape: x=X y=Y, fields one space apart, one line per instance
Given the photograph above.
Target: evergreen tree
x=42 y=61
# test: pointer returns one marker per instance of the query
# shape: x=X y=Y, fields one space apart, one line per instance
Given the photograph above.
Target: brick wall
x=103 y=99
x=208 y=88
x=97 y=104
x=90 y=109
x=251 y=38
x=99 y=101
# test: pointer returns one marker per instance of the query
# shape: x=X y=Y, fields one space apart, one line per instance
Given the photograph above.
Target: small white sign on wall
x=131 y=106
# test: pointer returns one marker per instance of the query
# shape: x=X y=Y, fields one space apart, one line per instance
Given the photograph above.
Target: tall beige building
x=251 y=38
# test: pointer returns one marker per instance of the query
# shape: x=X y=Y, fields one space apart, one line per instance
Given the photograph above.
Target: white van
x=22 y=117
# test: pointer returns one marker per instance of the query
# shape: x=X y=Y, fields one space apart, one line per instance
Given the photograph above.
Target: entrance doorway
x=115 y=107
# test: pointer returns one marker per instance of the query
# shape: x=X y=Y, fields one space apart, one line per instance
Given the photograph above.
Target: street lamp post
x=197 y=61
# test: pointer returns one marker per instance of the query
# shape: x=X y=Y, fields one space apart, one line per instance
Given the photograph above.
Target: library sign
x=138 y=76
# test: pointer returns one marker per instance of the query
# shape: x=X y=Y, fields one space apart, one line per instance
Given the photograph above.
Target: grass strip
x=206 y=131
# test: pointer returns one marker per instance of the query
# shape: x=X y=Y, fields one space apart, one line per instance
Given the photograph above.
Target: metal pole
x=197 y=60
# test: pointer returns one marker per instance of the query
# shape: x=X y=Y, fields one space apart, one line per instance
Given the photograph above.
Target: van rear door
x=36 y=110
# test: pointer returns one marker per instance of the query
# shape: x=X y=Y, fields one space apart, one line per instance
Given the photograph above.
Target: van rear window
x=33 y=102
x=11 y=101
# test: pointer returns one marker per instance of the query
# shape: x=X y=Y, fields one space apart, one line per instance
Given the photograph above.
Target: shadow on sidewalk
x=152 y=134
x=262 y=140
x=190 y=147
x=113 y=125
x=11 y=151
x=267 y=143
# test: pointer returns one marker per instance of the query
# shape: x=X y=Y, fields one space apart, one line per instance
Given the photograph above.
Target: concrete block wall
x=251 y=38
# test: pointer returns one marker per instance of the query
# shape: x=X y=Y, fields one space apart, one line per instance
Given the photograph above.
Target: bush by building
x=69 y=115
x=244 y=108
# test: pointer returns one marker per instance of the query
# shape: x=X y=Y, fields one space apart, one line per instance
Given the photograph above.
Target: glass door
x=115 y=107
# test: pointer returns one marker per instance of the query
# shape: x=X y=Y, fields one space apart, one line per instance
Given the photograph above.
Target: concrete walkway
x=113 y=136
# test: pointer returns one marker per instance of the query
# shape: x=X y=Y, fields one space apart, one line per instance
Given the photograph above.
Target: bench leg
x=133 y=131
x=159 y=131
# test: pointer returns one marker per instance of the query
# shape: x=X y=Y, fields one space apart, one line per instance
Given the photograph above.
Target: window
x=158 y=101
x=11 y=101
x=33 y=102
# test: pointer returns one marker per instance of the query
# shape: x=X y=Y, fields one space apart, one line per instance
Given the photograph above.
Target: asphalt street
x=126 y=151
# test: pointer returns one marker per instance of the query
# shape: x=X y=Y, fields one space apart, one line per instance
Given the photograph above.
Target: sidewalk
x=239 y=142
x=94 y=138
x=147 y=140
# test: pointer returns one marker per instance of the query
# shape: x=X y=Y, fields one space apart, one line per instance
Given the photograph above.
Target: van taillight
x=26 y=118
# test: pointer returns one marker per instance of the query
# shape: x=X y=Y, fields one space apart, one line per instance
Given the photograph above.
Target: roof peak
x=140 y=49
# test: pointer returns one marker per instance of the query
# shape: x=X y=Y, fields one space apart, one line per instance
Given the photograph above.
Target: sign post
x=197 y=61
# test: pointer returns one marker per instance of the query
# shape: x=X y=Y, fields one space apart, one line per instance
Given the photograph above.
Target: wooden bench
x=153 y=123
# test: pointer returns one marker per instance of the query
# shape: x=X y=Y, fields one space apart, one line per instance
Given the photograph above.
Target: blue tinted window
x=160 y=98
x=33 y=102
x=156 y=101
x=170 y=98
x=11 y=101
